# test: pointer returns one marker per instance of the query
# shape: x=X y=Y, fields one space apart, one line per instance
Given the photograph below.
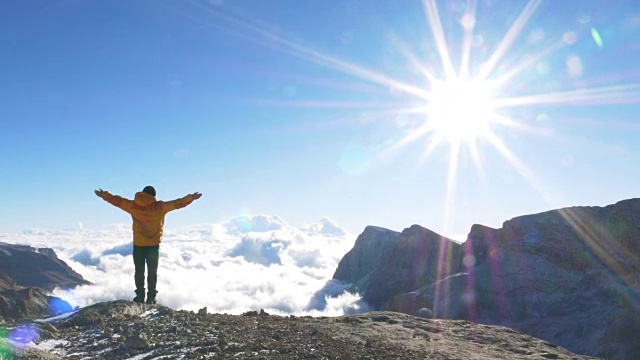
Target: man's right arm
x=115 y=200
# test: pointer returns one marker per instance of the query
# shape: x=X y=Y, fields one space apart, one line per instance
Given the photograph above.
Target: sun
x=460 y=110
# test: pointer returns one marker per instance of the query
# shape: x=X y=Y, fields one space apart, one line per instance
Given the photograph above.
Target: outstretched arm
x=180 y=203
x=117 y=201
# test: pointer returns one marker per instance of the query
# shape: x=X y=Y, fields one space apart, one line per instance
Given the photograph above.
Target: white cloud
x=326 y=226
x=246 y=263
x=257 y=223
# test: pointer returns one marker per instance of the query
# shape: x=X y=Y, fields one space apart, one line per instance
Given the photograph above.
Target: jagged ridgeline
x=568 y=276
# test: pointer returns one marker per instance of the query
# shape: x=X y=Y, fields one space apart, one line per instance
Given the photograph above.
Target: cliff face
x=568 y=276
x=385 y=265
x=27 y=275
x=30 y=267
x=368 y=251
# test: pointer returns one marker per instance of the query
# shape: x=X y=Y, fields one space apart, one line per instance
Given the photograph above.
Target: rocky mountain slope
x=127 y=330
x=568 y=276
x=27 y=275
x=31 y=267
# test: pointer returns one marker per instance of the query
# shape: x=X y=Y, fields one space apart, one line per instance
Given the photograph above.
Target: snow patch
x=142 y=356
x=149 y=313
x=50 y=344
x=55 y=319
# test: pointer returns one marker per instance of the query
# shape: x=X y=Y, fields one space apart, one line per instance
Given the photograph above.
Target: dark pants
x=150 y=255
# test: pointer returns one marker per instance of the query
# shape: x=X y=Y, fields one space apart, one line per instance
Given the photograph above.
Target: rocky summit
x=568 y=276
x=127 y=330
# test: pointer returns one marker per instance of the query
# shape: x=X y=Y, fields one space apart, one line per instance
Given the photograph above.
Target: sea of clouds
x=246 y=263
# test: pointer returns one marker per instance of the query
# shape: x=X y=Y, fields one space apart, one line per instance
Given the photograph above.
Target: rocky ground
x=127 y=330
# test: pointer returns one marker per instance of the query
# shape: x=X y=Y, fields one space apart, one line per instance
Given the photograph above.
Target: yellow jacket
x=147 y=214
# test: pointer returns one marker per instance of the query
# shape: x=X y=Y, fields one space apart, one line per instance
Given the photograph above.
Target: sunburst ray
x=616 y=94
x=433 y=19
x=468 y=23
x=509 y=37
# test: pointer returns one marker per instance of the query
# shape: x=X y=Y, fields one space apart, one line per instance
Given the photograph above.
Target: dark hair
x=149 y=190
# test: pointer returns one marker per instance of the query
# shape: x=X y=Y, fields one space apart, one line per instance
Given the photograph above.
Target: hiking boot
x=151 y=297
x=139 y=296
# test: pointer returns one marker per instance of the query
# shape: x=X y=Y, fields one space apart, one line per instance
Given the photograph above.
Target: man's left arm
x=180 y=203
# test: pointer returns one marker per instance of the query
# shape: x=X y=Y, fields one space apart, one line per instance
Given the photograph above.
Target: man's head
x=149 y=190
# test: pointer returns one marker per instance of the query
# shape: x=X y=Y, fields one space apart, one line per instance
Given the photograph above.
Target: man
x=148 y=224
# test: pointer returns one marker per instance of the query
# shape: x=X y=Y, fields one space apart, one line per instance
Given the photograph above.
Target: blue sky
x=299 y=109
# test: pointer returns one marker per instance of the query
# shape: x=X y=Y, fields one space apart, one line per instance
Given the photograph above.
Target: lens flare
x=5 y=349
x=596 y=37
x=58 y=306
x=24 y=334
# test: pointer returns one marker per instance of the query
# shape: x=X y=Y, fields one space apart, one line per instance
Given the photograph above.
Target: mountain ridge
x=537 y=273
